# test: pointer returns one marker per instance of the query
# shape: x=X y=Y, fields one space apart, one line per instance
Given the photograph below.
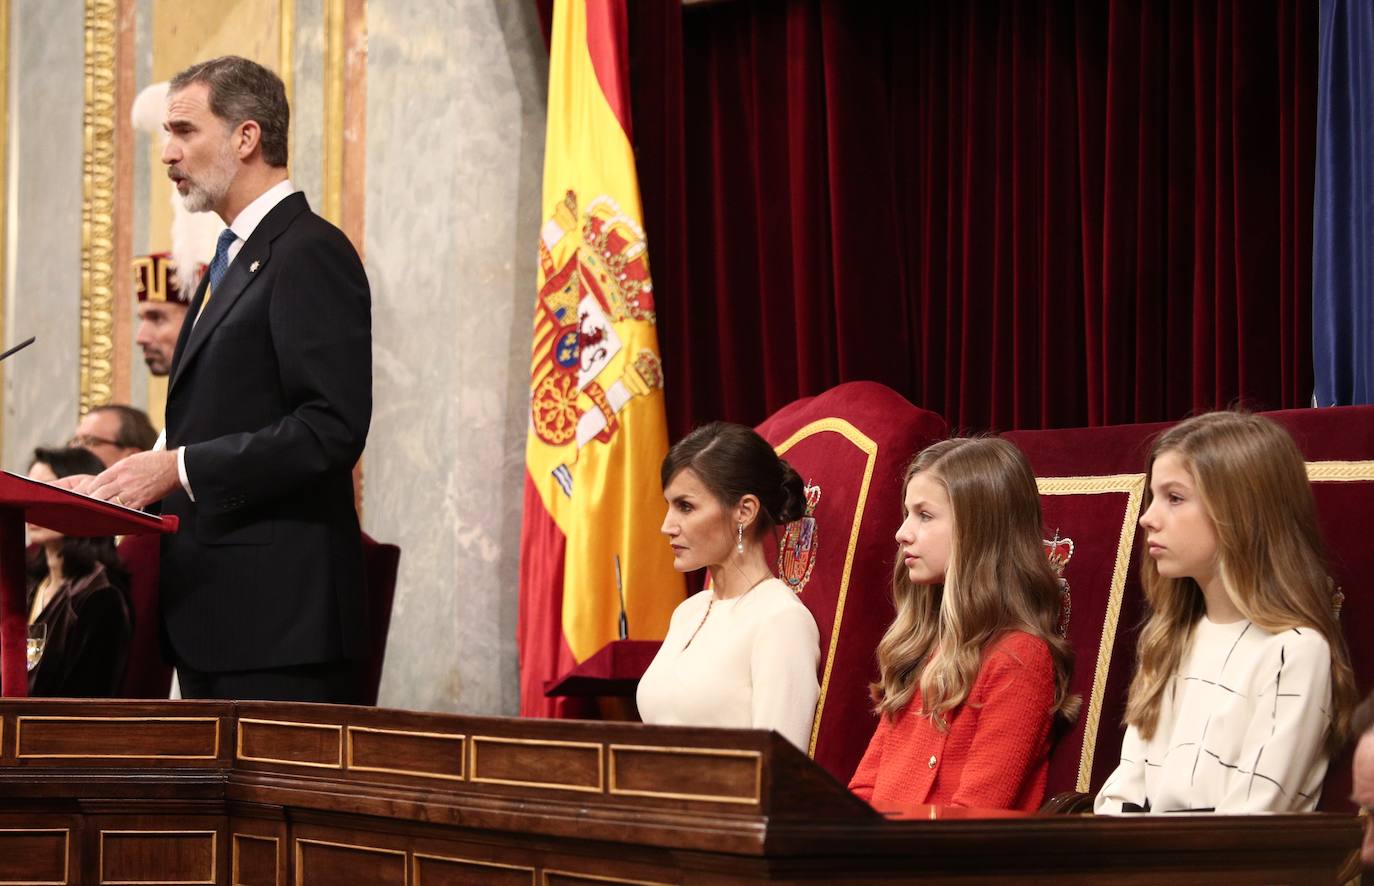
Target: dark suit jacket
x=271 y=394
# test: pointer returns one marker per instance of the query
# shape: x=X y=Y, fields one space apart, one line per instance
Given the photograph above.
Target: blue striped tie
x=220 y=263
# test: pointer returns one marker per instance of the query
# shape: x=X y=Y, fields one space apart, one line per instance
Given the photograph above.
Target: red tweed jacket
x=996 y=752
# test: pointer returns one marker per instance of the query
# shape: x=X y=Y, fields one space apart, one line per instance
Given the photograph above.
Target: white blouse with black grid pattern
x=1241 y=728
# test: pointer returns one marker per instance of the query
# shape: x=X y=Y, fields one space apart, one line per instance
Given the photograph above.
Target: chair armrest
x=1068 y=803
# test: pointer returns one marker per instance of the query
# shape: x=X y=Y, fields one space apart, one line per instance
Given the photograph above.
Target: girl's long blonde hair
x=998 y=579
x=1252 y=483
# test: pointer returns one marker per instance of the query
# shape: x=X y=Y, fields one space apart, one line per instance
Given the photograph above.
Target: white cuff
x=161 y=443
x=181 y=468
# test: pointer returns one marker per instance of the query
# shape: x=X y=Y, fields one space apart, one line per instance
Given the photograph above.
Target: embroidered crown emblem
x=800 y=541
x=1059 y=551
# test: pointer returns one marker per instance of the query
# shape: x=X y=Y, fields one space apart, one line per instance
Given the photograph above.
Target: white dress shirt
x=245 y=223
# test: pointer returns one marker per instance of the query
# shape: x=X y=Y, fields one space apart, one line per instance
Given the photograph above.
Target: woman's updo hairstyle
x=732 y=462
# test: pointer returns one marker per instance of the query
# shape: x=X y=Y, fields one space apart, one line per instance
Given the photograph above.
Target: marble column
x=455 y=135
x=43 y=259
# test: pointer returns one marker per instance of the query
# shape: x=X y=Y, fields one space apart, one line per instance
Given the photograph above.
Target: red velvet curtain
x=1018 y=214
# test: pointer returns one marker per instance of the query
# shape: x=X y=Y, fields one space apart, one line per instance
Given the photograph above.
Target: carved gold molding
x=97 y=208
x=334 y=37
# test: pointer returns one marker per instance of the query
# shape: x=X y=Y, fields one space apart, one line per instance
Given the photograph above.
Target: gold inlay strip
x=334 y=39
x=602 y=878
x=450 y=736
x=356 y=847
x=870 y=449
x=66 y=856
x=694 y=752
x=208 y=881
x=416 y=868
x=538 y=742
x=76 y=721
x=97 y=207
x=291 y=724
x=234 y=879
x=1340 y=471
x=1133 y=487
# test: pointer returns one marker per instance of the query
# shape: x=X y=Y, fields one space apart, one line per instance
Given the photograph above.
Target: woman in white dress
x=1243 y=687
x=743 y=653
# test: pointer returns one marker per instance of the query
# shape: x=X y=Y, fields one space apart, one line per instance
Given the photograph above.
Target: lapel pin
x=253 y=268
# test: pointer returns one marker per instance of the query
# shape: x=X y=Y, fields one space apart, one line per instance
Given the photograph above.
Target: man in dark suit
x=268 y=406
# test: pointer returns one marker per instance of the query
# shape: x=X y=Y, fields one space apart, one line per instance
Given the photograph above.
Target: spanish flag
x=598 y=431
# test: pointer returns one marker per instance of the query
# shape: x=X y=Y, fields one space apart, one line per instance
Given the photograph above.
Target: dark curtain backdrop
x=1017 y=214
x=1343 y=233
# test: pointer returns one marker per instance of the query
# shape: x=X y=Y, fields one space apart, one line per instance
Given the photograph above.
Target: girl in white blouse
x=1243 y=685
x=742 y=653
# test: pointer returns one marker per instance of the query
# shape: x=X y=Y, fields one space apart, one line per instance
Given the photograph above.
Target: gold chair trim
x=869 y=448
x=1133 y=486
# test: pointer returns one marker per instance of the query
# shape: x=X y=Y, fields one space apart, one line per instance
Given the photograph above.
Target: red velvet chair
x=851 y=446
x=149 y=674
x=1091 y=483
x=382 y=561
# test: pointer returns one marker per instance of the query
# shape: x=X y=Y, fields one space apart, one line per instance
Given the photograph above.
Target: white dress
x=751 y=666
x=1241 y=728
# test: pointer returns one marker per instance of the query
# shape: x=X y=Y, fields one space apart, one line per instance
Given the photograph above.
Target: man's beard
x=205 y=193
x=158 y=365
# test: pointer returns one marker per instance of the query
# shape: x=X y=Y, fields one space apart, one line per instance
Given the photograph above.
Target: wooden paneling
x=147 y=857
x=569 y=878
x=290 y=743
x=321 y=863
x=35 y=856
x=435 y=870
x=538 y=763
x=181 y=739
x=255 y=860
x=687 y=773
x=323 y=794
x=404 y=752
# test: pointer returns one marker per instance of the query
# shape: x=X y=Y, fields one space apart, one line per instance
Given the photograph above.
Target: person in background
x=972 y=671
x=76 y=591
x=1362 y=725
x=1243 y=686
x=114 y=432
x=162 y=303
x=743 y=653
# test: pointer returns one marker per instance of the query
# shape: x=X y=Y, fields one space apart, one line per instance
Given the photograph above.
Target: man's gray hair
x=244 y=90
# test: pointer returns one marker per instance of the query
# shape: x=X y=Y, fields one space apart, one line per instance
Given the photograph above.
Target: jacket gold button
x=932 y=761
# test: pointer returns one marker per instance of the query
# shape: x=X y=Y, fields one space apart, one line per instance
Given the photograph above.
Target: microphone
x=620 y=589
x=19 y=347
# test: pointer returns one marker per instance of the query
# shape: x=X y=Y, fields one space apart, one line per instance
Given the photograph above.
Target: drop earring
x=739 y=538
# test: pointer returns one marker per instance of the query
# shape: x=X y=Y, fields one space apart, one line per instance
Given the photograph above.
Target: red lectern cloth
x=614 y=670
x=71 y=513
x=23 y=500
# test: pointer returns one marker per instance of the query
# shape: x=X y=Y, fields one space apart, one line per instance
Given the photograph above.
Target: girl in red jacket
x=973 y=671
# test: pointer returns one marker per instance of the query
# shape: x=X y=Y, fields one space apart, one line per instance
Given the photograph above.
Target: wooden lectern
x=271 y=794
x=31 y=501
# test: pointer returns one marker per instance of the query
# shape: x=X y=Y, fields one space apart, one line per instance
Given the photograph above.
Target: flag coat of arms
x=598 y=431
